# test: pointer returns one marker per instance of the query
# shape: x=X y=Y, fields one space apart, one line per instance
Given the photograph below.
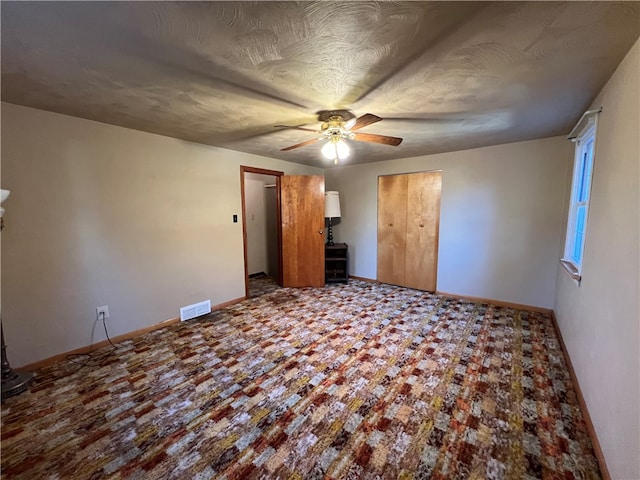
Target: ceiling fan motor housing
x=325 y=115
x=333 y=122
x=335 y=129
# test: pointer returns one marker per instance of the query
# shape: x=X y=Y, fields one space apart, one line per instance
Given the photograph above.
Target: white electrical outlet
x=102 y=312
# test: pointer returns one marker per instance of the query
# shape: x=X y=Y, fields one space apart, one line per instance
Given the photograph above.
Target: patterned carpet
x=357 y=381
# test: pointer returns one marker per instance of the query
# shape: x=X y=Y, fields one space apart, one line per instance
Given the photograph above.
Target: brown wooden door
x=408 y=229
x=423 y=220
x=302 y=204
x=392 y=226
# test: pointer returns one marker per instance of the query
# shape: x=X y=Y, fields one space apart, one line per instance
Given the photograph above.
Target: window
x=580 y=190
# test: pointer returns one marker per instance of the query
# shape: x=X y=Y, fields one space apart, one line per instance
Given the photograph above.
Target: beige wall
x=500 y=224
x=255 y=205
x=600 y=318
x=259 y=223
x=106 y=215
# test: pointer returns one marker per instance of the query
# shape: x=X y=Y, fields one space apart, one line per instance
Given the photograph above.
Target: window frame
x=581 y=183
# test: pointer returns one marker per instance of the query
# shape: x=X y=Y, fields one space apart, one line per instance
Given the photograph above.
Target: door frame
x=246 y=169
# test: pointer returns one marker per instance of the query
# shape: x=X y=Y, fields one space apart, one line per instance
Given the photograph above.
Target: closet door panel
x=392 y=223
x=423 y=219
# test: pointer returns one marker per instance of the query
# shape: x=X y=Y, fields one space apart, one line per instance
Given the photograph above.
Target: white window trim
x=589 y=124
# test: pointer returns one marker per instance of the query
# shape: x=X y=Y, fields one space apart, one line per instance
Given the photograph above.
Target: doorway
x=261 y=222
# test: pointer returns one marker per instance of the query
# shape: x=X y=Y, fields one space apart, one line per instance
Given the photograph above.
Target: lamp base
x=15 y=383
x=330 y=237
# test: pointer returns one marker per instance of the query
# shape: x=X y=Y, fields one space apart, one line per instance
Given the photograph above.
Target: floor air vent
x=195 y=310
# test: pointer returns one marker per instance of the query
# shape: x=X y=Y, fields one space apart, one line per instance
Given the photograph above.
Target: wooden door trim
x=275 y=173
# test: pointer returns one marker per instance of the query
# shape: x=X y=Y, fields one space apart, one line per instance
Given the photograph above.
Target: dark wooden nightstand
x=336 y=263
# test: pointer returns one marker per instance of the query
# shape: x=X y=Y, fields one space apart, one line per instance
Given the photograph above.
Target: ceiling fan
x=338 y=126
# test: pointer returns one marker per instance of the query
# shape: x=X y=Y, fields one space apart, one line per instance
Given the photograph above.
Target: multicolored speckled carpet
x=357 y=381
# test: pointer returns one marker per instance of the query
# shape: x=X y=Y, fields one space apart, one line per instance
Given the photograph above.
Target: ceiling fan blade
x=364 y=120
x=298 y=145
x=372 y=137
x=296 y=127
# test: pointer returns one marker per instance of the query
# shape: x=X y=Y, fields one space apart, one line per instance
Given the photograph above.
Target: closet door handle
x=321 y=231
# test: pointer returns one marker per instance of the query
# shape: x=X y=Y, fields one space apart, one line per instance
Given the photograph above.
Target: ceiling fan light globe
x=342 y=149
x=329 y=151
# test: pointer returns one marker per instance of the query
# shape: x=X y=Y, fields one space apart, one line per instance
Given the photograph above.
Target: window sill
x=571 y=270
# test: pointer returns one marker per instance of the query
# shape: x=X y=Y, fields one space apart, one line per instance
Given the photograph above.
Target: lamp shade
x=331 y=204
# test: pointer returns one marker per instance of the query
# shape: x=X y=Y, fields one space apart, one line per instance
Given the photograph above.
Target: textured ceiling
x=444 y=76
